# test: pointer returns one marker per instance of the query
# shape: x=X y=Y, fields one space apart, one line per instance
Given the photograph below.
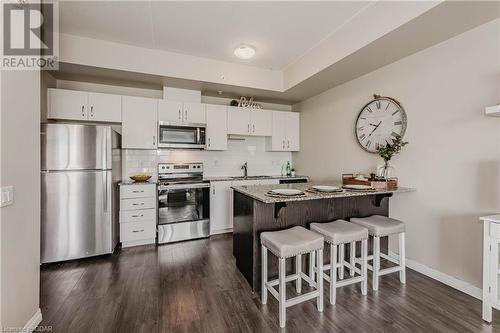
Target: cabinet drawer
x=137 y=215
x=138 y=203
x=137 y=191
x=134 y=231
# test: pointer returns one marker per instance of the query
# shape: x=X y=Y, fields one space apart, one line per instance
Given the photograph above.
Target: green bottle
x=288 y=169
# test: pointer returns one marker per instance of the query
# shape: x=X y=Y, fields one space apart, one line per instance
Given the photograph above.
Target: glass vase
x=386 y=171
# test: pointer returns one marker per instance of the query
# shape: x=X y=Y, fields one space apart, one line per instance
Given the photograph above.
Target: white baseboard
x=33 y=322
x=449 y=280
x=223 y=231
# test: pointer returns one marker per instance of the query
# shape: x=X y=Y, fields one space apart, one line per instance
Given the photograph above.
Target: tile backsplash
x=216 y=163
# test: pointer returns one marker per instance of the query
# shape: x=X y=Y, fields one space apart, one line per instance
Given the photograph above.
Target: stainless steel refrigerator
x=81 y=168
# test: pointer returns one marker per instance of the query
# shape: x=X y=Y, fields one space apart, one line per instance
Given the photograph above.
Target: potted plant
x=386 y=170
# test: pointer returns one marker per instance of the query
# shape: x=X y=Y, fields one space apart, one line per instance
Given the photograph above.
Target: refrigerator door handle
x=106 y=191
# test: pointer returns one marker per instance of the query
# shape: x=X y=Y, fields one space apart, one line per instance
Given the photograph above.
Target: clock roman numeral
x=368 y=109
x=388 y=103
x=395 y=112
x=362 y=137
x=398 y=123
x=378 y=104
x=394 y=134
x=368 y=143
x=360 y=128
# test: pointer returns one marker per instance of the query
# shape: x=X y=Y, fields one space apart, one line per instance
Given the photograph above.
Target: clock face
x=379 y=122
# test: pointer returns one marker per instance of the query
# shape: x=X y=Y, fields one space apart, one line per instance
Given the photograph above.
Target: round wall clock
x=379 y=122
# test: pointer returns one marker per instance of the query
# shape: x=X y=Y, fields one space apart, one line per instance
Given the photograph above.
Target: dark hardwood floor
x=195 y=287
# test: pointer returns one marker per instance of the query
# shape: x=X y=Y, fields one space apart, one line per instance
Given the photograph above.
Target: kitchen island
x=254 y=212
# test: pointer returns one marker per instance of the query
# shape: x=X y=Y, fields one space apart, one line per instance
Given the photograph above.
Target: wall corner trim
x=33 y=322
x=448 y=280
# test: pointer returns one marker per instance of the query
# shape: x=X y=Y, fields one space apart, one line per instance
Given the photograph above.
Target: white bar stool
x=337 y=234
x=380 y=226
x=284 y=244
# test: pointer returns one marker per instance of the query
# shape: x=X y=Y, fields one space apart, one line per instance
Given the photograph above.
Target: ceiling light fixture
x=244 y=51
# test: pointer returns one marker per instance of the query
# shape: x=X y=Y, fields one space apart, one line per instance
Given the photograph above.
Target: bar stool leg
x=341 y=261
x=376 y=261
x=352 y=255
x=282 y=291
x=333 y=273
x=263 y=288
x=320 y=280
x=312 y=259
x=298 y=270
x=364 y=266
x=402 y=260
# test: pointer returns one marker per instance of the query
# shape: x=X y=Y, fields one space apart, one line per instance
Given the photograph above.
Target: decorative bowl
x=140 y=178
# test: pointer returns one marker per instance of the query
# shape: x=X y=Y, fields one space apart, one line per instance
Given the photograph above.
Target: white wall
x=216 y=163
x=20 y=222
x=454 y=152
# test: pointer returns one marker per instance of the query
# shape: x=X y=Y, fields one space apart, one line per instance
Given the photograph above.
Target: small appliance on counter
x=183 y=202
x=372 y=181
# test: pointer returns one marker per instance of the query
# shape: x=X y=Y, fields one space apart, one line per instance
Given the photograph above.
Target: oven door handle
x=183 y=186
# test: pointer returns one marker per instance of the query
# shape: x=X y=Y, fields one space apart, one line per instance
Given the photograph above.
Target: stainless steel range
x=183 y=202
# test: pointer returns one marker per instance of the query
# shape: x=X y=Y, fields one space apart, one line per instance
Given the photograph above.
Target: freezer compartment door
x=76 y=219
x=76 y=147
x=174 y=232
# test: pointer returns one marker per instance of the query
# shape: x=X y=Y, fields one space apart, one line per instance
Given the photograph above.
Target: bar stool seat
x=379 y=225
x=338 y=233
x=291 y=242
x=287 y=243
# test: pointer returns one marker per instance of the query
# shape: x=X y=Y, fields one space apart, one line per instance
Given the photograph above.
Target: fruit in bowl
x=140 y=178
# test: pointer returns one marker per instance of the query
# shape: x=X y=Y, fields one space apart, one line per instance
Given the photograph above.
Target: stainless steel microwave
x=181 y=135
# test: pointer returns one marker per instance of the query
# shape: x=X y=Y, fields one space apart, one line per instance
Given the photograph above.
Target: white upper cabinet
x=238 y=121
x=171 y=111
x=105 y=107
x=181 y=112
x=139 y=122
x=194 y=113
x=82 y=105
x=285 y=132
x=242 y=121
x=67 y=104
x=216 y=130
x=261 y=122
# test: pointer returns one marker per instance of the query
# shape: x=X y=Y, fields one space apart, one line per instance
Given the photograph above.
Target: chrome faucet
x=244 y=167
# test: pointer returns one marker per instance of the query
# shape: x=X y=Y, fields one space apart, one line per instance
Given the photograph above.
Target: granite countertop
x=258 y=192
x=236 y=178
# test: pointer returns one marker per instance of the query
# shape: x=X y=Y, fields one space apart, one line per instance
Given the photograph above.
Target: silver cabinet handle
x=288 y=143
x=213 y=190
x=209 y=142
x=253 y=128
x=142 y=230
x=136 y=191
x=180 y=114
x=154 y=140
x=138 y=204
x=283 y=144
x=92 y=111
x=142 y=215
x=185 y=115
x=83 y=110
x=248 y=130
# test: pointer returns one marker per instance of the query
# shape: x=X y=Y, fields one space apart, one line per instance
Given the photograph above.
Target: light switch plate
x=7 y=196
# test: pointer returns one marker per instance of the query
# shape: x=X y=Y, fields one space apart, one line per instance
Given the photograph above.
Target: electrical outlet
x=7 y=196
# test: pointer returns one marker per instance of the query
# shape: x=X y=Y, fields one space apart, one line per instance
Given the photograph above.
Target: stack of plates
x=359 y=187
x=326 y=188
x=286 y=192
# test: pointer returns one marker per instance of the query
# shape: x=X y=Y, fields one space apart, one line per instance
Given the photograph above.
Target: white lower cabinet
x=221 y=207
x=221 y=202
x=138 y=214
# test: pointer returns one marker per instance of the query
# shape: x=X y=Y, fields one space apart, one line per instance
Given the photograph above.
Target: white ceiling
x=282 y=32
